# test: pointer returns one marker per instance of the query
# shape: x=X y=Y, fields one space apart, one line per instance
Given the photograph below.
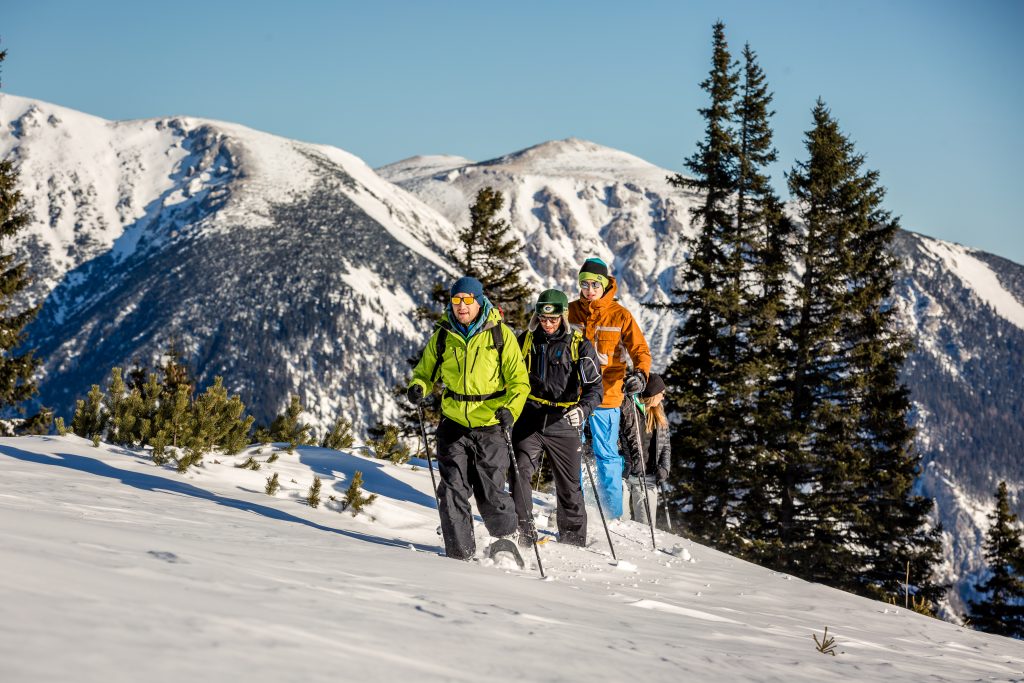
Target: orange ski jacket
x=616 y=337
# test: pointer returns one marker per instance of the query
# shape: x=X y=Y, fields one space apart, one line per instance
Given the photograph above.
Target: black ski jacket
x=554 y=377
x=657 y=444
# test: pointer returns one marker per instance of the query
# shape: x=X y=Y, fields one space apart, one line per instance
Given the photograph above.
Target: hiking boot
x=527 y=537
x=572 y=538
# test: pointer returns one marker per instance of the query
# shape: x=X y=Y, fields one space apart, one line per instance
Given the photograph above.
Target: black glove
x=662 y=475
x=634 y=382
x=504 y=416
x=415 y=394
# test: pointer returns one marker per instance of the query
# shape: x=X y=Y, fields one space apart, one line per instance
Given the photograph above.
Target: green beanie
x=552 y=302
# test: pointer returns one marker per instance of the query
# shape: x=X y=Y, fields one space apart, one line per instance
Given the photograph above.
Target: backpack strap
x=442 y=340
x=525 y=345
x=499 y=342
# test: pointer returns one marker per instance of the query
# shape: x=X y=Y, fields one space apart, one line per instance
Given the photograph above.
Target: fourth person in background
x=653 y=456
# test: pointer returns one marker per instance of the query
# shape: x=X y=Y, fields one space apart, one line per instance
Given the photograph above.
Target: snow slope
x=116 y=569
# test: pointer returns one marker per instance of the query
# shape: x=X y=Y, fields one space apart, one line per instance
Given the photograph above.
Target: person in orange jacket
x=618 y=340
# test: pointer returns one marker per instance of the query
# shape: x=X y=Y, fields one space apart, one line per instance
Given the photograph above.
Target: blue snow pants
x=604 y=427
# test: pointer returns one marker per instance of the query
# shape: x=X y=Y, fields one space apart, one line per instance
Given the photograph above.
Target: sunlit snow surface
x=116 y=569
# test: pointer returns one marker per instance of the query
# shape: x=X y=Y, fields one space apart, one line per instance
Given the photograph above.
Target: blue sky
x=929 y=91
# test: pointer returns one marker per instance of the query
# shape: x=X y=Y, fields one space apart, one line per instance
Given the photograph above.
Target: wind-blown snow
x=117 y=569
x=979 y=277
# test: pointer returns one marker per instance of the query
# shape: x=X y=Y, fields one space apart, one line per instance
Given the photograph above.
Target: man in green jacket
x=486 y=384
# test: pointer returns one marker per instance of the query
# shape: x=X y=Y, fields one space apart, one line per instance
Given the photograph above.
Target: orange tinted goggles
x=468 y=300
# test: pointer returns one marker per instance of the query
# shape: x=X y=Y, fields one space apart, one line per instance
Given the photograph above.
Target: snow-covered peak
x=574 y=157
x=976 y=275
x=421 y=165
x=94 y=186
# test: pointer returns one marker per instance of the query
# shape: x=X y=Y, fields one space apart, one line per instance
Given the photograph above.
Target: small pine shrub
x=827 y=645
x=61 y=429
x=355 y=500
x=90 y=420
x=159 y=444
x=250 y=464
x=340 y=437
x=273 y=457
x=313 y=497
x=272 y=485
x=289 y=429
x=388 y=446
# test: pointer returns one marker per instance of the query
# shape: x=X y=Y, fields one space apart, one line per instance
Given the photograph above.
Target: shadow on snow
x=150 y=482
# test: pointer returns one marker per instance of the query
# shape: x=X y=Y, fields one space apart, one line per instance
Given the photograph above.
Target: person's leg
x=563 y=446
x=454 y=463
x=604 y=426
x=492 y=462
x=527 y=449
x=635 y=499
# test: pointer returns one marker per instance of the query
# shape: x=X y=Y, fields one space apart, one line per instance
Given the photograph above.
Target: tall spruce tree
x=848 y=516
x=1001 y=610
x=16 y=366
x=702 y=372
x=765 y=240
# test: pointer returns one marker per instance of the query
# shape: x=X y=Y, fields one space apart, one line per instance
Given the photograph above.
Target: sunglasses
x=590 y=284
x=549 y=318
x=468 y=300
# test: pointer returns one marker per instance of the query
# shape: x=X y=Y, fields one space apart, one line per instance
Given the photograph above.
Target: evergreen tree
x=487 y=252
x=339 y=438
x=16 y=368
x=273 y=485
x=848 y=515
x=90 y=419
x=313 y=497
x=766 y=237
x=702 y=371
x=355 y=499
x=289 y=428
x=1001 y=610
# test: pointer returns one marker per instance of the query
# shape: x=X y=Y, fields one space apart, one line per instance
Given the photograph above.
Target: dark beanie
x=468 y=285
x=655 y=385
x=596 y=266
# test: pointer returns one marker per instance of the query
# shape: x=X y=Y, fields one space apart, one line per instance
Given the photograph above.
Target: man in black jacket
x=565 y=387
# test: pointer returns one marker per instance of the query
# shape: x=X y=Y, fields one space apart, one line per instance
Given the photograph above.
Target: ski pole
x=664 y=499
x=597 y=498
x=515 y=473
x=426 y=449
x=540 y=469
x=643 y=469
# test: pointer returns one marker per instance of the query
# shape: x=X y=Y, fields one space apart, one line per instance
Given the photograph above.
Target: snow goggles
x=468 y=299
x=590 y=284
x=549 y=318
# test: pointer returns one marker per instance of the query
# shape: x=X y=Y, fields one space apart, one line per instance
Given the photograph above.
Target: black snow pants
x=539 y=429
x=472 y=462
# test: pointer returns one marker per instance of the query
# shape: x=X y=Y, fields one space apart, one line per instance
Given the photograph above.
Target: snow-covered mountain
x=116 y=569
x=283 y=266
x=288 y=267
